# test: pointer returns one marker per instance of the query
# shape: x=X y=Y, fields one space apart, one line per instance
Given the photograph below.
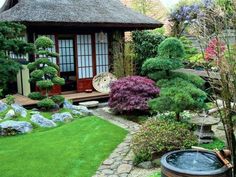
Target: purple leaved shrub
x=131 y=94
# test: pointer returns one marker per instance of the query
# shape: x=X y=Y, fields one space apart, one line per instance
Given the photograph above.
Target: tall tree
x=219 y=52
x=152 y=8
x=11 y=45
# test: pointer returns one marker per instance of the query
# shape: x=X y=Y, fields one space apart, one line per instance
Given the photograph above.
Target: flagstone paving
x=119 y=163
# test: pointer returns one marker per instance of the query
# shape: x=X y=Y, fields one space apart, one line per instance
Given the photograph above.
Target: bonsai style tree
x=44 y=72
x=11 y=45
x=179 y=91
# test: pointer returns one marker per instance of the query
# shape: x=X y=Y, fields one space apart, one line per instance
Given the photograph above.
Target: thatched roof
x=75 y=12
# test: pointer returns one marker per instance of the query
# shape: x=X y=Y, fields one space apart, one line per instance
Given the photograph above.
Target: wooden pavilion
x=83 y=32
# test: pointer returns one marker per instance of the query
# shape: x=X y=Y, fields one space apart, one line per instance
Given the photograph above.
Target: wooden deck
x=75 y=97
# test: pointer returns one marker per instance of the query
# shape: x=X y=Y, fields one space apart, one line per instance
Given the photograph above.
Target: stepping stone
x=146 y=165
x=108 y=162
x=124 y=168
x=89 y=104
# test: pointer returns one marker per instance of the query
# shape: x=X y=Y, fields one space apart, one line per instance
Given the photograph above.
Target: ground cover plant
x=157 y=137
x=131 y=94
x=216 y=144
x=76 y=150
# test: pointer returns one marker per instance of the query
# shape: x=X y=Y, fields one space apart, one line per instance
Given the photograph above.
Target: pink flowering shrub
x=215 y=50
x=131 y=94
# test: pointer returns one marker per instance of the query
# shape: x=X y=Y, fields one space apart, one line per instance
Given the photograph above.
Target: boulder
x=89 y=104
x=17 y=126
x=62 y=117
x=10 y=114
x=19 y=110
x=42 y=121
x=75 y=112
x=83 y=110
x=68 y=105
x=3 y=106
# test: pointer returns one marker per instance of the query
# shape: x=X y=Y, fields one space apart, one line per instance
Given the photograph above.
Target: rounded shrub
x=44 y=84
x=58 y=99
x=178 y=95
x=37 y=75
x=31 y=66
x=58 y=81
x=43 y=42
x=157 y=137
x=54 y=66
x=48 y=70
x=46 y=104
x=42 y=61
x=157 y=64
x=131 y=94
x=36 y=96
x=171 y=48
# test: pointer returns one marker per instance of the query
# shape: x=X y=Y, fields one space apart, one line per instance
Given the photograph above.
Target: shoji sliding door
x=67 y=63
x=85 y=62
x=102 y=54
x=93 y=58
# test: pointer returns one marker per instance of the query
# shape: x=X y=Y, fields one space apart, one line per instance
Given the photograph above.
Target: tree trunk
x=234 y=153
x=178 y=116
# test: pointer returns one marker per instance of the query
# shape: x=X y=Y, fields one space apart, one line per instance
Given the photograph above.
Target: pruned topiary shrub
x=58 y=99
x=157 y=137
x=44 y=73
x=179 y=91
x=46 y=104
x=131 y=94
x=36 y=96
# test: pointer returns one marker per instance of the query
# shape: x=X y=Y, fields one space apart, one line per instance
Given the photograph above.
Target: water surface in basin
x=194 y=161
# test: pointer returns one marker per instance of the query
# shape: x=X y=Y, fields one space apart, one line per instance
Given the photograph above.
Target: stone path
x=119 y=163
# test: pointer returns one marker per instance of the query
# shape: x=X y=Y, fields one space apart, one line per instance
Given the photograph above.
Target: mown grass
x=75 y=149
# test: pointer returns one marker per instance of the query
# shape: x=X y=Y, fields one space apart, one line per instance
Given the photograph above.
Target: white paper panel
x=66 y=58
x=85 y=61
x=102 y=60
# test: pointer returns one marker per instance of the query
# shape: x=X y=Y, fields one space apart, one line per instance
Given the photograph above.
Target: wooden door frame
x=74 y=38
x=93 y=47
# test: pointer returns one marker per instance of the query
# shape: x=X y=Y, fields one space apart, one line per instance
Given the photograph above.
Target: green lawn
x=158 y=174
x=75 y=149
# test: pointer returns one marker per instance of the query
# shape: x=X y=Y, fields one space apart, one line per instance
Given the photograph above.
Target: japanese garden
x=119 y=88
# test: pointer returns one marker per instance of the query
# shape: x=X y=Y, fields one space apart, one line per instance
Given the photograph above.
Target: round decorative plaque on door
x=102 y=81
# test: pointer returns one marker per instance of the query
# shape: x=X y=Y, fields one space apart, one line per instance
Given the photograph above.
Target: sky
x=167 y=3
x=1 y=2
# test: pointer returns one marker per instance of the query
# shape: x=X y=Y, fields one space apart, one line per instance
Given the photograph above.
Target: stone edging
x=119 y=163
